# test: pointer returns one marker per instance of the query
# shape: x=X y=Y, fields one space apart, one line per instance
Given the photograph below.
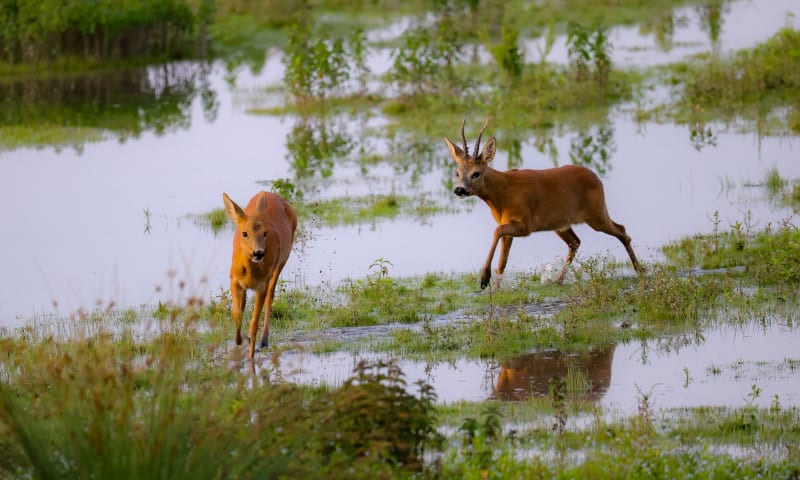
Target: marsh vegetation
x=386 y=359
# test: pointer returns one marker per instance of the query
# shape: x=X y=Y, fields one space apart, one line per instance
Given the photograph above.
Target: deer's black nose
x=258 y=255
x=461 y=191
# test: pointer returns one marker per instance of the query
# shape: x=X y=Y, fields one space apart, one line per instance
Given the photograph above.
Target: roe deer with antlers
x=527 y=201
x=261 y=246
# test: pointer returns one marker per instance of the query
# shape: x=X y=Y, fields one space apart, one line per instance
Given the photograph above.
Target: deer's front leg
x=511 y=229
x=268 y=308
x=505 y=247
x=238 y=299
x=258 y=305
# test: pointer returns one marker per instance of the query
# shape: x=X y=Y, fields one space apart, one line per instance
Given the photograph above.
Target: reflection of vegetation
x=344 y=210
x=662 y=27
x=424 y=62
x=356 y=210
x=514 y=153
x=711 y=19
x=318 y=66
x=544 y=143
x=751 y=83
x=701 y=135
x=314 y=145
x=83 y=108
x=781 y=191
x=593 y=148
x=589 y=52
x=507 y=53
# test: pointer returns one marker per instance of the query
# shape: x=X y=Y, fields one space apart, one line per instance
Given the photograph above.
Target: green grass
x=119 y=405
x=771 y=256
x=760 y=85
x=688 y=443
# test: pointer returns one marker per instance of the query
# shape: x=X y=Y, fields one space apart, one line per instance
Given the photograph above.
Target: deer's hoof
x=264 y=344
x=485 y=276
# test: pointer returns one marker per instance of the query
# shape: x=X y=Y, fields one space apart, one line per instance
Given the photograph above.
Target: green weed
x=122 y=407
x=750 y=83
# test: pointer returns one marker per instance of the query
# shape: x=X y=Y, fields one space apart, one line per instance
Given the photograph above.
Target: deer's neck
x=495 y=185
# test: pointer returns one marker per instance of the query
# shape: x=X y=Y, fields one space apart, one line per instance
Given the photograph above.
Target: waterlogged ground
x=107 y=216
x=718 y=367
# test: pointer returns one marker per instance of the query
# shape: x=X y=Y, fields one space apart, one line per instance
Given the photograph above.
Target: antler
x=463 y=138
x=478 y=142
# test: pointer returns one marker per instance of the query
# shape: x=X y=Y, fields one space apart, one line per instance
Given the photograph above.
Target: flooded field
x=108 y=219
x=386 y=359
x=719 y=367
x=107 y=214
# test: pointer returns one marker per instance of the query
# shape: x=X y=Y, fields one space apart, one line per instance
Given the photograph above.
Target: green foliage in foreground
x=109 y=406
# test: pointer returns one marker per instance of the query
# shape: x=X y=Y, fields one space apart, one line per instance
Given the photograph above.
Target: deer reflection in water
x=530 y=375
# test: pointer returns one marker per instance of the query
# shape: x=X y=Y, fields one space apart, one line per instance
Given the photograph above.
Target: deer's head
x=470 y=168
x=251 y=233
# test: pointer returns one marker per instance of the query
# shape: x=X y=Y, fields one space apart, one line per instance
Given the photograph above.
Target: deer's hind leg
x=573 y=242
x=616 y=230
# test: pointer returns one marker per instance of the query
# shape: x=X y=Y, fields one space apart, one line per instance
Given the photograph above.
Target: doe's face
x=252 y=239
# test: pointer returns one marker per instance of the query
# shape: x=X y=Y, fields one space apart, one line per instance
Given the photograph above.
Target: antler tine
x=463 y=138
x=478 y=142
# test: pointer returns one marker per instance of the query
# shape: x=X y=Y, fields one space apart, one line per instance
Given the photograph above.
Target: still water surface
x=718 y=369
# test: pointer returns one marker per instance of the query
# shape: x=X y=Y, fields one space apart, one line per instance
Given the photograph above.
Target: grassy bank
x=161 y=392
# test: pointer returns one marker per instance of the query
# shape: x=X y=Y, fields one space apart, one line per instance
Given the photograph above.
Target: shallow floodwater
x=108 y=221
x=718 y=369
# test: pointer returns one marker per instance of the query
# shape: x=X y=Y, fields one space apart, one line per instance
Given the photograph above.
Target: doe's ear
x=234 y=211
x=455 y=150
x=489 y=150
x=261 y=203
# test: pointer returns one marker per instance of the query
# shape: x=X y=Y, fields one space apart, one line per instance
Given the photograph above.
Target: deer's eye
x=476 y=174
x=244 y=234
x=265 y=234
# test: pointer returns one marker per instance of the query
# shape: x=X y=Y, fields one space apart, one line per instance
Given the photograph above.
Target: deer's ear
x=455 y=150
x=234 y=211
x=489 y=150
x=261 y=203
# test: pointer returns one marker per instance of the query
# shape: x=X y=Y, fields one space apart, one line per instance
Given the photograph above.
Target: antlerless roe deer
x=261 y=245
